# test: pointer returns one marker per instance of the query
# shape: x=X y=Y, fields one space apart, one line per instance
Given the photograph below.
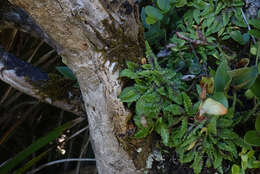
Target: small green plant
x=252 y=137
x=193 y=96
x=248 y=161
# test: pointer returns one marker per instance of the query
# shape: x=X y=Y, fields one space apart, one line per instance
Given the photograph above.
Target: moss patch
x=120 y=47
x=56 y=88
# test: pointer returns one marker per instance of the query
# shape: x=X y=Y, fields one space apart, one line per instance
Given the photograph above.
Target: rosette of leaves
x=207 y=143
x=157 y=95
x=248 y=161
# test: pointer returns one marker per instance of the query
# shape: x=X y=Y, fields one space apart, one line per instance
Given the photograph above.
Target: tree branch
x=21 y=75
x=12 y=16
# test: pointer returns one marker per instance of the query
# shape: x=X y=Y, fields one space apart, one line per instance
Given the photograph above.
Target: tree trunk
x=95 y=37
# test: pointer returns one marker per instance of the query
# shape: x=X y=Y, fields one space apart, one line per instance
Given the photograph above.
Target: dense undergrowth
x=198 y=86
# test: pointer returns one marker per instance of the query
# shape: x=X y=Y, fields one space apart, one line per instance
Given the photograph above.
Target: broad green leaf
x=226 y=17
x=252 y=137
x=164 y=5
x=148 y=105
x=255 y=88
x=38 y=144
x=255 y=23
x=153 y=12
x=222 y=78
x=213 y=107
x=257 y=124
x=180 y=3
x=161 y=128
x=66 y=72
x=150 y=20
x=235 y=169
x=237 y=36
x=128 y=73
x=243 y=77
x=221 y=98
x=129 y=94
x=255 y=33
x=194 y=68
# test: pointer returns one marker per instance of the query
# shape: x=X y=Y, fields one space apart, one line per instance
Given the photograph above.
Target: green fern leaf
x=187 y=103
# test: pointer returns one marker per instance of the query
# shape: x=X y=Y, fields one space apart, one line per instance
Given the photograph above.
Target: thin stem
x=60 y=161
x=248 y=26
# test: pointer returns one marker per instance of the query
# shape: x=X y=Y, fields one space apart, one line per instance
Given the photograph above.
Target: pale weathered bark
x=91 y=36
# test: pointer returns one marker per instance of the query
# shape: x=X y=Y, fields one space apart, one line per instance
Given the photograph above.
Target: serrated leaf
x=255 y=33
x=213 y=107
x=224 y=123
x=129 y=94
x=148 y=105
x=255 y=23
x=252 y=137
x=142 y=133
x=212 y=126
x=196 y=15
x=188 y=157
x=128 y=73
x=66 y=72
x=187 y=103
x=217 y=159
x=227 y=134
x=173 y=109
x=197 y=163
x=131 y=65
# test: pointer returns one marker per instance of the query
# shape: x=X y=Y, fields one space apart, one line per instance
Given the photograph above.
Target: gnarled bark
x=93 y=36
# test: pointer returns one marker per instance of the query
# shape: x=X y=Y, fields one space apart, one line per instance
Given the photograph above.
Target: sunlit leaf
x=221 y=98
x=235 y=169
x=213 y=107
